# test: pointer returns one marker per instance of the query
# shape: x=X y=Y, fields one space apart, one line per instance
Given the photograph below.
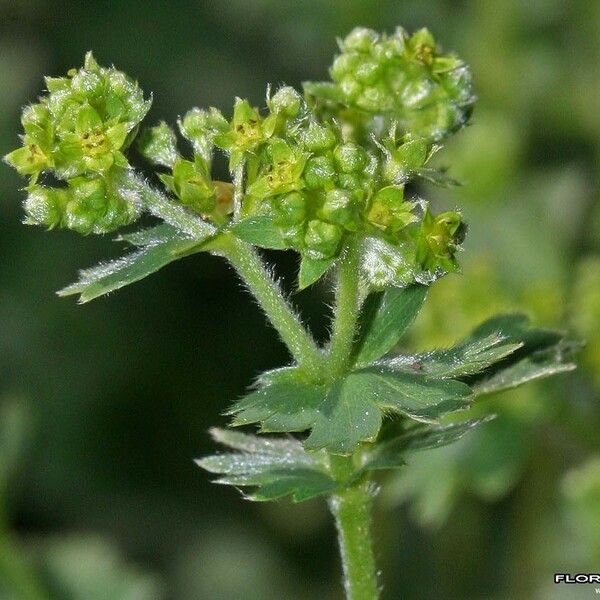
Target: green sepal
x=438 y=177
x=391 y=453
x=166 y=246
x=385 y=318
x=311 y=270
x=260 y=231
x=275 y=467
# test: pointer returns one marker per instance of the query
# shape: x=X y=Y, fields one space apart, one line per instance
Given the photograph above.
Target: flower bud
x=159 y=145
x=360 y=39
x=96 y=206
x=319 y=173
x=322 y=239
x=350 y=157
x=318 y=137
x=286 y=101
x=200 y=127
x=45 y=206
x=289 y=209
x=191 y=183
x=340 y=208
x=403 y=77
x=82 y=125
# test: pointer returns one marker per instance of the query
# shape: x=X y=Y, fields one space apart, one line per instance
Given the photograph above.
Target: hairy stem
x=251 y=269
x=351 y=509
x=345 y=312
x=159 y=205
x=247 y=263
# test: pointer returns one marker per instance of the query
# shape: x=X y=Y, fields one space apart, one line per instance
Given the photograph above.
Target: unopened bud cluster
x=404 y=77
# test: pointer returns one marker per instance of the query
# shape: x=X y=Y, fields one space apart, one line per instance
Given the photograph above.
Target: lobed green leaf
x=413 y=395
x=346 y=417
x=161 y=245
x=391 y=454
x=260 y=231
x=276 y=467
x=312 y=269
x=542 y=353
x=384 y=324
x=467 y=358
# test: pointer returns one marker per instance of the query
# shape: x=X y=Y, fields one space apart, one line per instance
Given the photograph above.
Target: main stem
x=251 y=269
x=345 y=312
x=351 y=509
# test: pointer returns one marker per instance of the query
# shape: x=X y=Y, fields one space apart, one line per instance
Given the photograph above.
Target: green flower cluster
x=305 y=184
x=307 y=176
x=402 y=76
x=77 y=133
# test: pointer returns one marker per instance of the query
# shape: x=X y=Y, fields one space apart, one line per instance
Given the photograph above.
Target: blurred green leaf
x=391 y=453
x=15 y=429
x=89 y=568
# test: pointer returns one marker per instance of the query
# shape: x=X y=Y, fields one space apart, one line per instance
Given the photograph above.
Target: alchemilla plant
x=325 y=173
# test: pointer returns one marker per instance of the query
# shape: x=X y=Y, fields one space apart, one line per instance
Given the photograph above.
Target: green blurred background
x=103 y=407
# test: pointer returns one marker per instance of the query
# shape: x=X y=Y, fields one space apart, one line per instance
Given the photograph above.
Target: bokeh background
x=103 y=407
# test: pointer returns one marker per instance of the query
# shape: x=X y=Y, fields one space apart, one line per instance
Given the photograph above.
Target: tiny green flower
x=438 y=239
x=245 y=133
x=82 y=125
x=405 y=159
x=200 y=127
x=283 y=171
x=403 y=77
x=191 y=183
x=389 y=211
